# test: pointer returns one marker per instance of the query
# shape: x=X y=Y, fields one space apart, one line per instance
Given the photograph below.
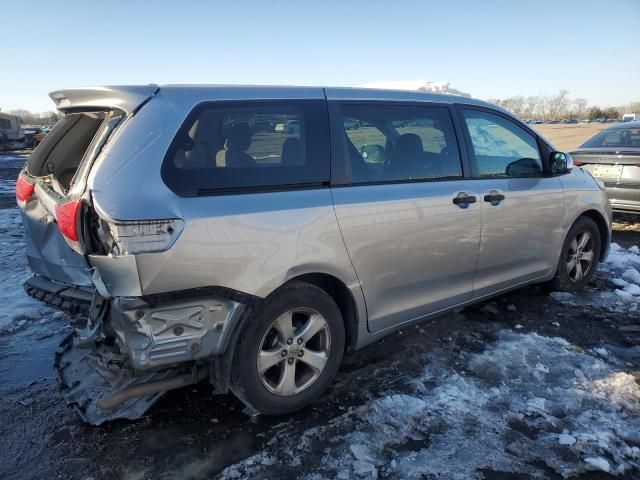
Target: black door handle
x=463 y=200
x=494 y=198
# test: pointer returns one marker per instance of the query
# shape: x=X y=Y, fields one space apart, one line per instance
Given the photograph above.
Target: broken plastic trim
x=94 y=377
x=88 y=374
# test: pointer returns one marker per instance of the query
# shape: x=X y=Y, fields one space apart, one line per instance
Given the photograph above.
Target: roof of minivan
x=332 y=93
x=129 y=97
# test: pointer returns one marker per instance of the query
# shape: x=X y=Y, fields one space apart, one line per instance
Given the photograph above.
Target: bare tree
x=554 y=107
x=581 y=107
x=30 y=118
x=517 y=105
x=633 y=107
x=531 y=106
x=543 y=107
x=557 y=104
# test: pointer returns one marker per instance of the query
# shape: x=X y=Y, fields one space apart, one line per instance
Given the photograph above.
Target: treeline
x=30 y=118
x=561 y=106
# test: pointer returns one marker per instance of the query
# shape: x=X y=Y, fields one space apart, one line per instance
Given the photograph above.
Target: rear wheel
x=290 y=352
x=579 y=257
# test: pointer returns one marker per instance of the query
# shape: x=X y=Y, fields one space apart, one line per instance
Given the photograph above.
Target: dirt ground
x=567 y=137
x=527 y=385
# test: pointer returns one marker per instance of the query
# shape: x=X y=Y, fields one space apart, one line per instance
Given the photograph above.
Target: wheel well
x=602 y=227
x=343 y=298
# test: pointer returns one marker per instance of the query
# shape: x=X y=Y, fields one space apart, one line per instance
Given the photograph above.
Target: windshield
x=616 y=137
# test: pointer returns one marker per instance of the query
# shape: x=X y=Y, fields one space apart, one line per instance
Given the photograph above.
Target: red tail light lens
x=68 y=218
x=577 y=164
x=24 y=190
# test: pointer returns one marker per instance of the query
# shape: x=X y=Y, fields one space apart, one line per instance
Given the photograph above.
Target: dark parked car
x=613 y=156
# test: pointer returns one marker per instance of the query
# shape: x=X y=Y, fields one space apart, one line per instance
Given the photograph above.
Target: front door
x=409 y=219
x=522 y=208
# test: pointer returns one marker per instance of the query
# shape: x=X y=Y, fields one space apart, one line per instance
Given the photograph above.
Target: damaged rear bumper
x=133 y=349
x=94 y=379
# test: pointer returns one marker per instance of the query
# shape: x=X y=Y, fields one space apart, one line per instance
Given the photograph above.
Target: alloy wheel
x=293 y=351
x=580 y=256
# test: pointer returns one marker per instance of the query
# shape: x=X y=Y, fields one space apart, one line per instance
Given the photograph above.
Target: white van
x=11 y=133
x=631 y=117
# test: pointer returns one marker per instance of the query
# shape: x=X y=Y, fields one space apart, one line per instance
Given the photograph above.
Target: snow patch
x=503 y=413
x=599 y=463
x=632 y=275
x=16 y=308
x=566 y=439
x=622 y=268
x=622 y=258
x=562 y=297
x=625 y=264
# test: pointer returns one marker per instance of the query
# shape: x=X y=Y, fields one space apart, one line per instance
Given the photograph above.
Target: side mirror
x=561 y=163
x=373 y=153
x=525 y=167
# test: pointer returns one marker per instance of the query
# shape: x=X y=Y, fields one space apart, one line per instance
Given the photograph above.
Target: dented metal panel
x=47 y=252
x=116 y=276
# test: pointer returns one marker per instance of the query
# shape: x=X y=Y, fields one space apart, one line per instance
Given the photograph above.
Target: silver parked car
x=201 y=247
x=613 y=156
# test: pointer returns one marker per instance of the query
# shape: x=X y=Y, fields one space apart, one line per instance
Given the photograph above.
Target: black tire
x=246 y=381
x=563 y=280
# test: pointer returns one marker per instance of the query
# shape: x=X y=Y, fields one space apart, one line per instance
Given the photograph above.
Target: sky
x=490 y=48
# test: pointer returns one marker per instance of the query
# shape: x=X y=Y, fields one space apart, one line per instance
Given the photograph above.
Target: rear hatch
x=51 y=190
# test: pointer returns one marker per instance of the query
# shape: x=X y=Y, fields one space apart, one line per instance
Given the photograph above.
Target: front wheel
x=579 y=257
x=289 y=353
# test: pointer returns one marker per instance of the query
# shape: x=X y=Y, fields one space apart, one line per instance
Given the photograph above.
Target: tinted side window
x=226 y=145
x=502 y=148
x=387 y=143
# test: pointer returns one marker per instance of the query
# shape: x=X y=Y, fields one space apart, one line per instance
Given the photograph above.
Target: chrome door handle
x=494 y=197
x=463 y=200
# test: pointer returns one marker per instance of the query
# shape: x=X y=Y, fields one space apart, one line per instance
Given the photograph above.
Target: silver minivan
x=204 y=240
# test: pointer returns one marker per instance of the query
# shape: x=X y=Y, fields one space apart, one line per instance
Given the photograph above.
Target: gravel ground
x=528 y=385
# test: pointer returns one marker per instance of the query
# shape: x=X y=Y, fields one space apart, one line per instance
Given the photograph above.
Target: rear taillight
x=24 y=190
x=577 y=164
x=68 y=219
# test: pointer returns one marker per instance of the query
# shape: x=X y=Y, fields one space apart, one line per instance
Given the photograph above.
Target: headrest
x=239 y=138
x=408 y=145
x=291 y=152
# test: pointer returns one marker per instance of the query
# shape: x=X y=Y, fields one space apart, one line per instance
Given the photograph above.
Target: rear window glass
x=616 y=137
x=234 y=145
x=62 y=150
